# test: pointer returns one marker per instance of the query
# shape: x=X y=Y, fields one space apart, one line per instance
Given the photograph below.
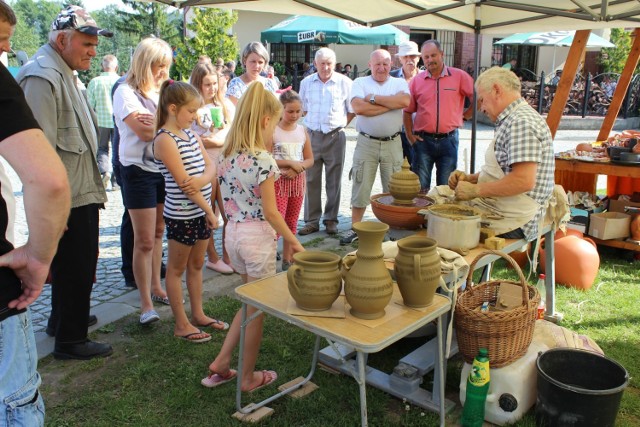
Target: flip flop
x=214 y=380
x=213 y=324
x=190 y=337
x=267 y=378
x=161 y=300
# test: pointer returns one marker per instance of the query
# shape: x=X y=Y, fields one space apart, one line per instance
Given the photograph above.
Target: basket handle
x=516 y=267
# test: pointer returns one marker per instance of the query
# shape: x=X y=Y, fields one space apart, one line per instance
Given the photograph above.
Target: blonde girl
x=207 y=81
x=187 y=172
x=247 y=173
x=292 y=151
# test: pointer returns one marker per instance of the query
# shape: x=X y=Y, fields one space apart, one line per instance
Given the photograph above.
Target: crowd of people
x=222 y=151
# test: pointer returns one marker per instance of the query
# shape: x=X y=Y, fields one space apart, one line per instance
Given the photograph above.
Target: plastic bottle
x=542 y=290
x=477 y=389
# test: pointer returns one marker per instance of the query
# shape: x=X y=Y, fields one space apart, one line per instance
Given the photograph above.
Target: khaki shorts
x=370 y=153
x=251 y=247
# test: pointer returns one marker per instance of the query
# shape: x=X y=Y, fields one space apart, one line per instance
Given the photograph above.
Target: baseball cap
x=76 y=18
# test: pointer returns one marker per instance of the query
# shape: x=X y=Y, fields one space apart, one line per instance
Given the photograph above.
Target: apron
x=503 y=214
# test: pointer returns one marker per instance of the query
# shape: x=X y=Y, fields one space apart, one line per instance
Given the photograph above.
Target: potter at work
x=517 y=180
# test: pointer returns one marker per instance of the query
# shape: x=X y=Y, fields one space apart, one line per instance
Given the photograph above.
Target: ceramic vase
x=404 y=185
x=367 y=282
x=417 y=269
x=315 y=280
x=576 y=262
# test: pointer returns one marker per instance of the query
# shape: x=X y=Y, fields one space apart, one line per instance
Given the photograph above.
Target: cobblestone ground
x=110 y=283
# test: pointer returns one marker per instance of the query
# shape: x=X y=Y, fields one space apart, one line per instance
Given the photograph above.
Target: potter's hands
x=455 y=177
x=466 y=190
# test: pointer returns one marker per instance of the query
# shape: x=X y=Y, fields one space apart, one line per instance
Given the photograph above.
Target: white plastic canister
x=512 y=391
x=454 y=226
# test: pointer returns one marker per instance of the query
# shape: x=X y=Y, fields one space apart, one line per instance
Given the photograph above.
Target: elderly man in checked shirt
x=517 y=180
x=325 y=101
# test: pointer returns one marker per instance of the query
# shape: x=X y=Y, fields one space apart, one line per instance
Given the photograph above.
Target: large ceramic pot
x=367 y=283
x=404 y=185
x=417 y=269
x=315 y=280
x=576 y=262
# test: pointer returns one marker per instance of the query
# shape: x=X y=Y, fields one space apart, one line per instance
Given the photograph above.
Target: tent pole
x=474 y=117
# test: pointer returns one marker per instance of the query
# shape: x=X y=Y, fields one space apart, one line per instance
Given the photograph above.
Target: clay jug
x=576 y=262
x=367 y=282
x=404 y=185
x=417 y=269
x=315 y=280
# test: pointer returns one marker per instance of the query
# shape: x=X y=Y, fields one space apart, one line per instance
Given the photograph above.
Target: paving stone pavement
x=110 y=283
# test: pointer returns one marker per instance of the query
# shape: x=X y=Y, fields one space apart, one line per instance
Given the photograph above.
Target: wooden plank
x=621 y=87
x=577 y=166
x=566 y=81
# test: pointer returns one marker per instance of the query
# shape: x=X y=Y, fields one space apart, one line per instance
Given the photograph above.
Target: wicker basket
x=505 y=334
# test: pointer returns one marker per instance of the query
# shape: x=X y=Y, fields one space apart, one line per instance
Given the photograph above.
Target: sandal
x=214 y=380
x=216 y=324
x=267 y=378
x=161 y=300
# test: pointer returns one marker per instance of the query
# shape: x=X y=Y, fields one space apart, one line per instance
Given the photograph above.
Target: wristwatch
x=372 y=100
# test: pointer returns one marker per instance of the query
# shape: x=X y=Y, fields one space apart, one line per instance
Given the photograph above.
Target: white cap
x=408 y=48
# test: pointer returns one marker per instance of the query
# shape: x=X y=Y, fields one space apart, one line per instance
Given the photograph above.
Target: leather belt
x=437 y=135
x=330 y=133
x=381 y=138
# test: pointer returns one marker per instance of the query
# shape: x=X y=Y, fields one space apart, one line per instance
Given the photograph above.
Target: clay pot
x=399 y=216
x=568 y=232
x=576 y=262
x=634 y=227
x=417 y=269
x=315 y=280
x=367 y=283
x=404 y=185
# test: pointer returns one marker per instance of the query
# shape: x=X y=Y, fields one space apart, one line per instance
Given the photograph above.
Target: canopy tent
x=553 y=38
x=472 y=16
x=314 y=29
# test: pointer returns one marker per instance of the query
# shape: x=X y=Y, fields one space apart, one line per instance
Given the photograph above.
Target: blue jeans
x=443 y=153
x=20 y=402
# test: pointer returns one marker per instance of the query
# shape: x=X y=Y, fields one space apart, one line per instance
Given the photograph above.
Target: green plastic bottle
x=477 y=389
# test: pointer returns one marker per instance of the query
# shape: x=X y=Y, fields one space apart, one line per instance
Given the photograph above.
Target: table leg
x=550 y=278
x=361 y=379
x=439 y=373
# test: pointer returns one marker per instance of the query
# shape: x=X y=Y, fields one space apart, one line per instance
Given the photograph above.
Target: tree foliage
x=614 y=58
x=211 y=35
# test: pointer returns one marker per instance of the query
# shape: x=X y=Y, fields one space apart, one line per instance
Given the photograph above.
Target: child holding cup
x=212 y=125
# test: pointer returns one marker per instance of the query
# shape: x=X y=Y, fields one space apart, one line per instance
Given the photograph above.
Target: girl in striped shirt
x=187 y=171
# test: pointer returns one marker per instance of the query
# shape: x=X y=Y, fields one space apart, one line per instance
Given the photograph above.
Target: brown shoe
x=331 y=228
x=308 y=229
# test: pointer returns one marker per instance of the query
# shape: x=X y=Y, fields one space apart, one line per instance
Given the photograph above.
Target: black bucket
x=578 y=388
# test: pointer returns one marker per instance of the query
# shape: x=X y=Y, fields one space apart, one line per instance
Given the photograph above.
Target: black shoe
x=85 y=351
x=93 y=319
x=163 y=271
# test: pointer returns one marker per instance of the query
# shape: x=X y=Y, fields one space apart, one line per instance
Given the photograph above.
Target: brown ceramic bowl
x=401 y=217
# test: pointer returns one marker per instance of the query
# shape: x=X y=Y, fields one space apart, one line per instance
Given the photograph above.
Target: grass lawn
x=154 y=380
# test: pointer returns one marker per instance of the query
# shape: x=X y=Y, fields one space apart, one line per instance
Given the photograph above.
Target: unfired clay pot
x=576 y=262
x=404 y=185
x=367 y=283
x=417 y=269
x=315 y=280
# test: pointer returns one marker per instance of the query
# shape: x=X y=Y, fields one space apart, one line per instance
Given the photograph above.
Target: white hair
x=109 y=62
x=325 y=53
x=507 y=79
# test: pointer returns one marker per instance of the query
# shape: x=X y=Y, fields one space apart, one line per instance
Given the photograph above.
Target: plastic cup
x=216 y=116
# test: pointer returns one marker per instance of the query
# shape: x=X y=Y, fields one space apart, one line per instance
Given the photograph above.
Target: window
x=293 y=54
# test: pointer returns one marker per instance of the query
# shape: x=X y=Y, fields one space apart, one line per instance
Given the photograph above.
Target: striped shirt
x=177 y=205
x=522 y=135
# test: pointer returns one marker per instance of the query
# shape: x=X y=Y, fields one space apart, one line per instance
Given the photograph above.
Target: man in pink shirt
x=438 y=99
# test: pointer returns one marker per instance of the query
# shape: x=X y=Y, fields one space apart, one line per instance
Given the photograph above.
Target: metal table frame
x=271 y=296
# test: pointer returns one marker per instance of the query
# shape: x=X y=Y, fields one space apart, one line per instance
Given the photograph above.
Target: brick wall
x=465 y=51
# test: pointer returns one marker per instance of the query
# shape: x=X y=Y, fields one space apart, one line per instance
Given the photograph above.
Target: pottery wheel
x=420 y=201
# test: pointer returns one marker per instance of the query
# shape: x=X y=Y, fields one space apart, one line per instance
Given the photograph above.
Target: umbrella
x=553 y=38
x=314 y=29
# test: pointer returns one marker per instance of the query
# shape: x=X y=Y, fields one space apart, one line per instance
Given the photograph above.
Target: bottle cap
x=483 y=352
x=542 y=276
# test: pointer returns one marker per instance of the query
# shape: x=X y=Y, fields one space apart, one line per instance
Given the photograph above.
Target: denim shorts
x=251 y=247
x=20 y=402
x=187 y=231
x=141 y=189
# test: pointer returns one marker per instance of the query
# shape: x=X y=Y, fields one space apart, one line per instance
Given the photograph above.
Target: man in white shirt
x=378 y=101
x=325 y=101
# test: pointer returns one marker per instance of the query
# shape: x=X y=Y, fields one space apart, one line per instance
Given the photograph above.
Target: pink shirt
x=439 y=103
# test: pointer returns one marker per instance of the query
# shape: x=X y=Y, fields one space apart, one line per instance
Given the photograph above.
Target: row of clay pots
x=315 y=279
